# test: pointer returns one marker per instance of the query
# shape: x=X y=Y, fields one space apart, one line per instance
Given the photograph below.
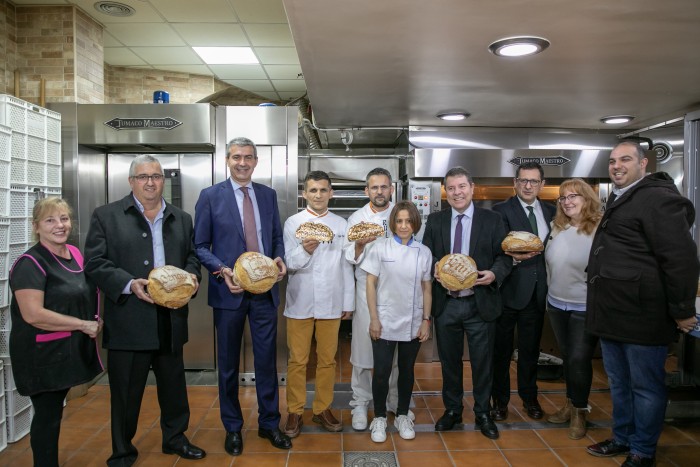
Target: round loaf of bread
x=365 y=230
x=457 y=271
x=314 y=231
x=170 y=287
x=521 y=242
x=255 y=272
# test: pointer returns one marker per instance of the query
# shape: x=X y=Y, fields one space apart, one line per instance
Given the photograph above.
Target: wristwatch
x=429 y=318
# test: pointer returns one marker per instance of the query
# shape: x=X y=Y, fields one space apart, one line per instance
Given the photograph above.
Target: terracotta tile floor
x=85 y=433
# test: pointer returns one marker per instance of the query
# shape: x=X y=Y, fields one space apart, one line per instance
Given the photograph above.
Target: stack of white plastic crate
x=34 y=168
x=3 y=420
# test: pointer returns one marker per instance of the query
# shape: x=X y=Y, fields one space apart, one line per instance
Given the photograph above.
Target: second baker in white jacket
x=319 y=292
x=379 y=189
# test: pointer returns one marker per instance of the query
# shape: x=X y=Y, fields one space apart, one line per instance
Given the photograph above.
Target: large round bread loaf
x=457 y=271
x=521 y=242
x=255 y=272
x=170 y=287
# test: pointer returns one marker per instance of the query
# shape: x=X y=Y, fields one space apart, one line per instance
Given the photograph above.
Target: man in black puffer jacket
x=642 y=279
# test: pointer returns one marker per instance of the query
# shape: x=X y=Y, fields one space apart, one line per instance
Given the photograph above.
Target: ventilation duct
x=310 y=135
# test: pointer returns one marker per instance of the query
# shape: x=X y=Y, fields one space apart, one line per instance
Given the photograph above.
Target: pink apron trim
x=30 y=257
x=52 y=336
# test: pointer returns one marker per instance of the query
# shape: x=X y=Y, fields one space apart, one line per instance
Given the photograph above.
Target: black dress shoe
x=186 y=451
x=634 y=460
x=608 y=448
x=234 y=443
x=499 y=411
x=276 y=437
x=533 y=409
x=485 y=424
x=448 y=420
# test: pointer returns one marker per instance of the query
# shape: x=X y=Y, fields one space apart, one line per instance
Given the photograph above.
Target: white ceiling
x=161 y=34
x=397 y=63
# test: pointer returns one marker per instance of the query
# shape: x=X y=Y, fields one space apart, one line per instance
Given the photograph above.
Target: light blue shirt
x=239 y=202
x=156 y=234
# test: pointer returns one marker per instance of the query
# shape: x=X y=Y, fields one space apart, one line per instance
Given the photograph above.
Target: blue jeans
x=638 y=389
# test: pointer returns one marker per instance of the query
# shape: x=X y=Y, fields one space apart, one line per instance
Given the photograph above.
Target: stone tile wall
x=126 y=85
x=8 y=47
x=64 y=46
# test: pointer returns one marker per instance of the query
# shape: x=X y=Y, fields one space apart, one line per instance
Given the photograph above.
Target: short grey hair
x=241 y=141
x=143 y=159
x=458 y=171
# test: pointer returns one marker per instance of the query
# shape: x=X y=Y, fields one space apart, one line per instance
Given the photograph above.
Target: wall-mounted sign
x=547 y=160
x=167 y=123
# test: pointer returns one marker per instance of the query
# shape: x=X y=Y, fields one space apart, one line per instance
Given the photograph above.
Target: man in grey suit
x=524 y=295
x=478 y=233
x=126 y=240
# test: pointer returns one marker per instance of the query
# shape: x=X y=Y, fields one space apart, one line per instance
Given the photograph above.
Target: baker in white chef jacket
x=320 y=291
x=399 y=296
x=379 y=189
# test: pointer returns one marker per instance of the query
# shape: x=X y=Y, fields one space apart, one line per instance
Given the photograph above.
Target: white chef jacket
x=400 y=270
x=321 y=285
x=361 y=344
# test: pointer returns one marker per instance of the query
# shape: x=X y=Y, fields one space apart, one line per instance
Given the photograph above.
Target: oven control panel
x=420 y=194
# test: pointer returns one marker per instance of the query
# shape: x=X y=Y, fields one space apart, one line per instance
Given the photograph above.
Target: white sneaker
x=378 y=428
x=405 y=427
x=410 y=414
x=359 y=418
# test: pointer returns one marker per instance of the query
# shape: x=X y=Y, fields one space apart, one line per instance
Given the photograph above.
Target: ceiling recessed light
x=226 y=55
x=617 y=119
x=518 y=46
x=453 y=116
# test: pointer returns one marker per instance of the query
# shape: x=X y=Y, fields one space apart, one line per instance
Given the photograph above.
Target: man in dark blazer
x=478 y=233
x=223 y=232
x=126 y=240
x=524 y=295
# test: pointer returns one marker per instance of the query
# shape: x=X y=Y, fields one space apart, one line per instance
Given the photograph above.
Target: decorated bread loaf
x=457 y=271
x=170 y=287
x=522 y=242
x=255 y=272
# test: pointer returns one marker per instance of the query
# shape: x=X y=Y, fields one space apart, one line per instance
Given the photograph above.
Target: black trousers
x=46 y=427
x=128 y=371
x=577 y=347
x=383 y=353
x=460 y=316
x=529 y=321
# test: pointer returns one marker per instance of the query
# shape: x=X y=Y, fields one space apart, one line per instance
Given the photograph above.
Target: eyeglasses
x=571 y=197
x=525 y=181
x=247 y=158
x=143 y=178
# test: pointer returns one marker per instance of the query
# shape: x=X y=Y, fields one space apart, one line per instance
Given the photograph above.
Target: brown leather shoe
x=293 y=426
x=328 y=421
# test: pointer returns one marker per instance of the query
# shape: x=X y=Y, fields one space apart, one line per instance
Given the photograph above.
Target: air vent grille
x=114 y=9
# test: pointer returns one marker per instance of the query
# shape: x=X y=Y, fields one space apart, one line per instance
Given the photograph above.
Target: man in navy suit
x=524 y=295
x=466 y=229
x=226 y=226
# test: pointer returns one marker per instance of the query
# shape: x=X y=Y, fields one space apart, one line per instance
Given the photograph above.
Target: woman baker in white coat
x=399 y=297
